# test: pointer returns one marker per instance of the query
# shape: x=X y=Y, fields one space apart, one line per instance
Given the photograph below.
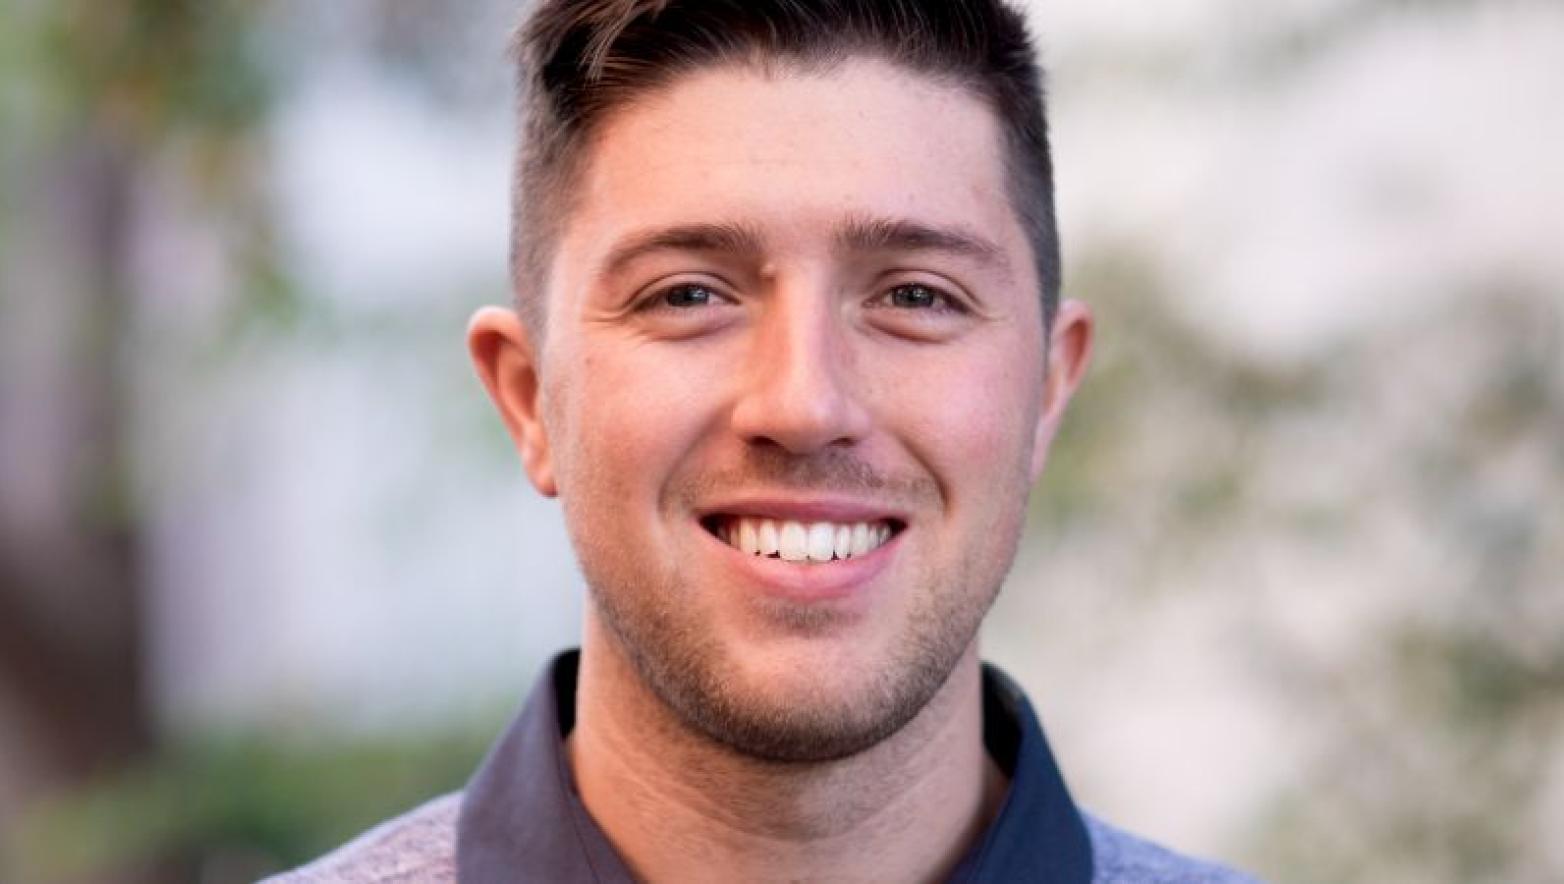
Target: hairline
x=531 y=267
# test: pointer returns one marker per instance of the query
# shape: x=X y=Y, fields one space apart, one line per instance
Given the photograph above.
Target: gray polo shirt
x=519 y=819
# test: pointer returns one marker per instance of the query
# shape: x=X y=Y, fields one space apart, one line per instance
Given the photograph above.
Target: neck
x=677 y=806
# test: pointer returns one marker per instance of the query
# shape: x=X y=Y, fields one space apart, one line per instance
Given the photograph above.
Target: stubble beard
x=677 y=658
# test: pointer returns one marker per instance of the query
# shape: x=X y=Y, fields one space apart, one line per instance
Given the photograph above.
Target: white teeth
x=770 y=542
x=822 y=541
x=861 y=539
x=798 y=542
x=794 y=545
x=843 y=541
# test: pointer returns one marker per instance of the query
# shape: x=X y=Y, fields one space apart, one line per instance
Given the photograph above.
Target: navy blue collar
x=521 y=819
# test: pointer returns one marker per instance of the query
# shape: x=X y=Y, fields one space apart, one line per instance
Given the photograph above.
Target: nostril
x=801 y=413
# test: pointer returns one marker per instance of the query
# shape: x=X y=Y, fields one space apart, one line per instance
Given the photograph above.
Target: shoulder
x=419 y=845
x=1120 y=858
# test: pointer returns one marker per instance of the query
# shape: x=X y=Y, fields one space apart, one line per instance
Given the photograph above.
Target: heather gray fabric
x=1121 y=858
x=418 y=846
x=421 y=847
x=520 y=820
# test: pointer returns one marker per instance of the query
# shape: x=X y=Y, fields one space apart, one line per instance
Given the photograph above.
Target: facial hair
x=686 y=668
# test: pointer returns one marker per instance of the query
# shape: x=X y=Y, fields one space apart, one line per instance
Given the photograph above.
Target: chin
x=778 y=680
x=804 y=701
x=807 y=674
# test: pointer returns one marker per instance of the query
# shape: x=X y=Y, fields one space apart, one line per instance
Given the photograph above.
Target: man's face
x=792 y=395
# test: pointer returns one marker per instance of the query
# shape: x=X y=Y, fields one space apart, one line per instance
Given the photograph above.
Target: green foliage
x=156 y=68
x=1428 y=737
x=1156 y=376
x=279 y=803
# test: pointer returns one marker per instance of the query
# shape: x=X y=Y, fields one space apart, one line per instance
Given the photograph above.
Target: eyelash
x=940 y=301
x=657 y=300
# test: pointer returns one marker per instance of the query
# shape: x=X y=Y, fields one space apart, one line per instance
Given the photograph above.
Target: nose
x=799 y=386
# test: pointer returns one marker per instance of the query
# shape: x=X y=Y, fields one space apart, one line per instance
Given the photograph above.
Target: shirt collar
x=522 y=820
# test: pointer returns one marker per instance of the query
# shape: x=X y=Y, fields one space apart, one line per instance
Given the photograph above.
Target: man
x=789 y=348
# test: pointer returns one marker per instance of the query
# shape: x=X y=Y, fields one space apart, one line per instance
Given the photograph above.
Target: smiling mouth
x=801 y=542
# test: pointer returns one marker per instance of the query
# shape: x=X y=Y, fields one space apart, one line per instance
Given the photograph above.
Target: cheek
x=969 y=415
x=978 y=441
x=626 y=423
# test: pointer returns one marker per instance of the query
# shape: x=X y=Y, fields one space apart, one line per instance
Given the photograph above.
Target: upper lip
x=804 y=508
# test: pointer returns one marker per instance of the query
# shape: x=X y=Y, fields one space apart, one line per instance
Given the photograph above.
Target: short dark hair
x=577 y=60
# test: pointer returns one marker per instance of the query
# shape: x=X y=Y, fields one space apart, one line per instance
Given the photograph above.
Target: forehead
x=790 y=152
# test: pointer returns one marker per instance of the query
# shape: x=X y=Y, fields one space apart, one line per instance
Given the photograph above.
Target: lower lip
x=807 y=581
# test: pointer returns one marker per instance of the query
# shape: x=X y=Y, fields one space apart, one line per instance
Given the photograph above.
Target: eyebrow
x=901 y=235
x=730 y=238
x=860 y=234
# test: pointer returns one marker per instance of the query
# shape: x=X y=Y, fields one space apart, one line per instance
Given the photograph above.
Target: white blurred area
x=1321 y=212
x=342 y=540
x=345 y=546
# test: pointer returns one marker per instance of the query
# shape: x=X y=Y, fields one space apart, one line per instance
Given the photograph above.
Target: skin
x=740 y=718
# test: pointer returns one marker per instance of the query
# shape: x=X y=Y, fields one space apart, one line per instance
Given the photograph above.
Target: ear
x=506 y=361
x=1069 y=350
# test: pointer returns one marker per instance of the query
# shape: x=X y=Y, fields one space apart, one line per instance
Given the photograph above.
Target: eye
x=917 y=296
x=921 y=311
x=684 y=309
x=684 y=296
x=914 y=295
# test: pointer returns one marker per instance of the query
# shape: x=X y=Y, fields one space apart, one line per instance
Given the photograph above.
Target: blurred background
x=1291 y=593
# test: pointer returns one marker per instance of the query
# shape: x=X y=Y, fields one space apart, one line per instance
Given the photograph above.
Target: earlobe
x=1069 y=352
x=506 y=362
